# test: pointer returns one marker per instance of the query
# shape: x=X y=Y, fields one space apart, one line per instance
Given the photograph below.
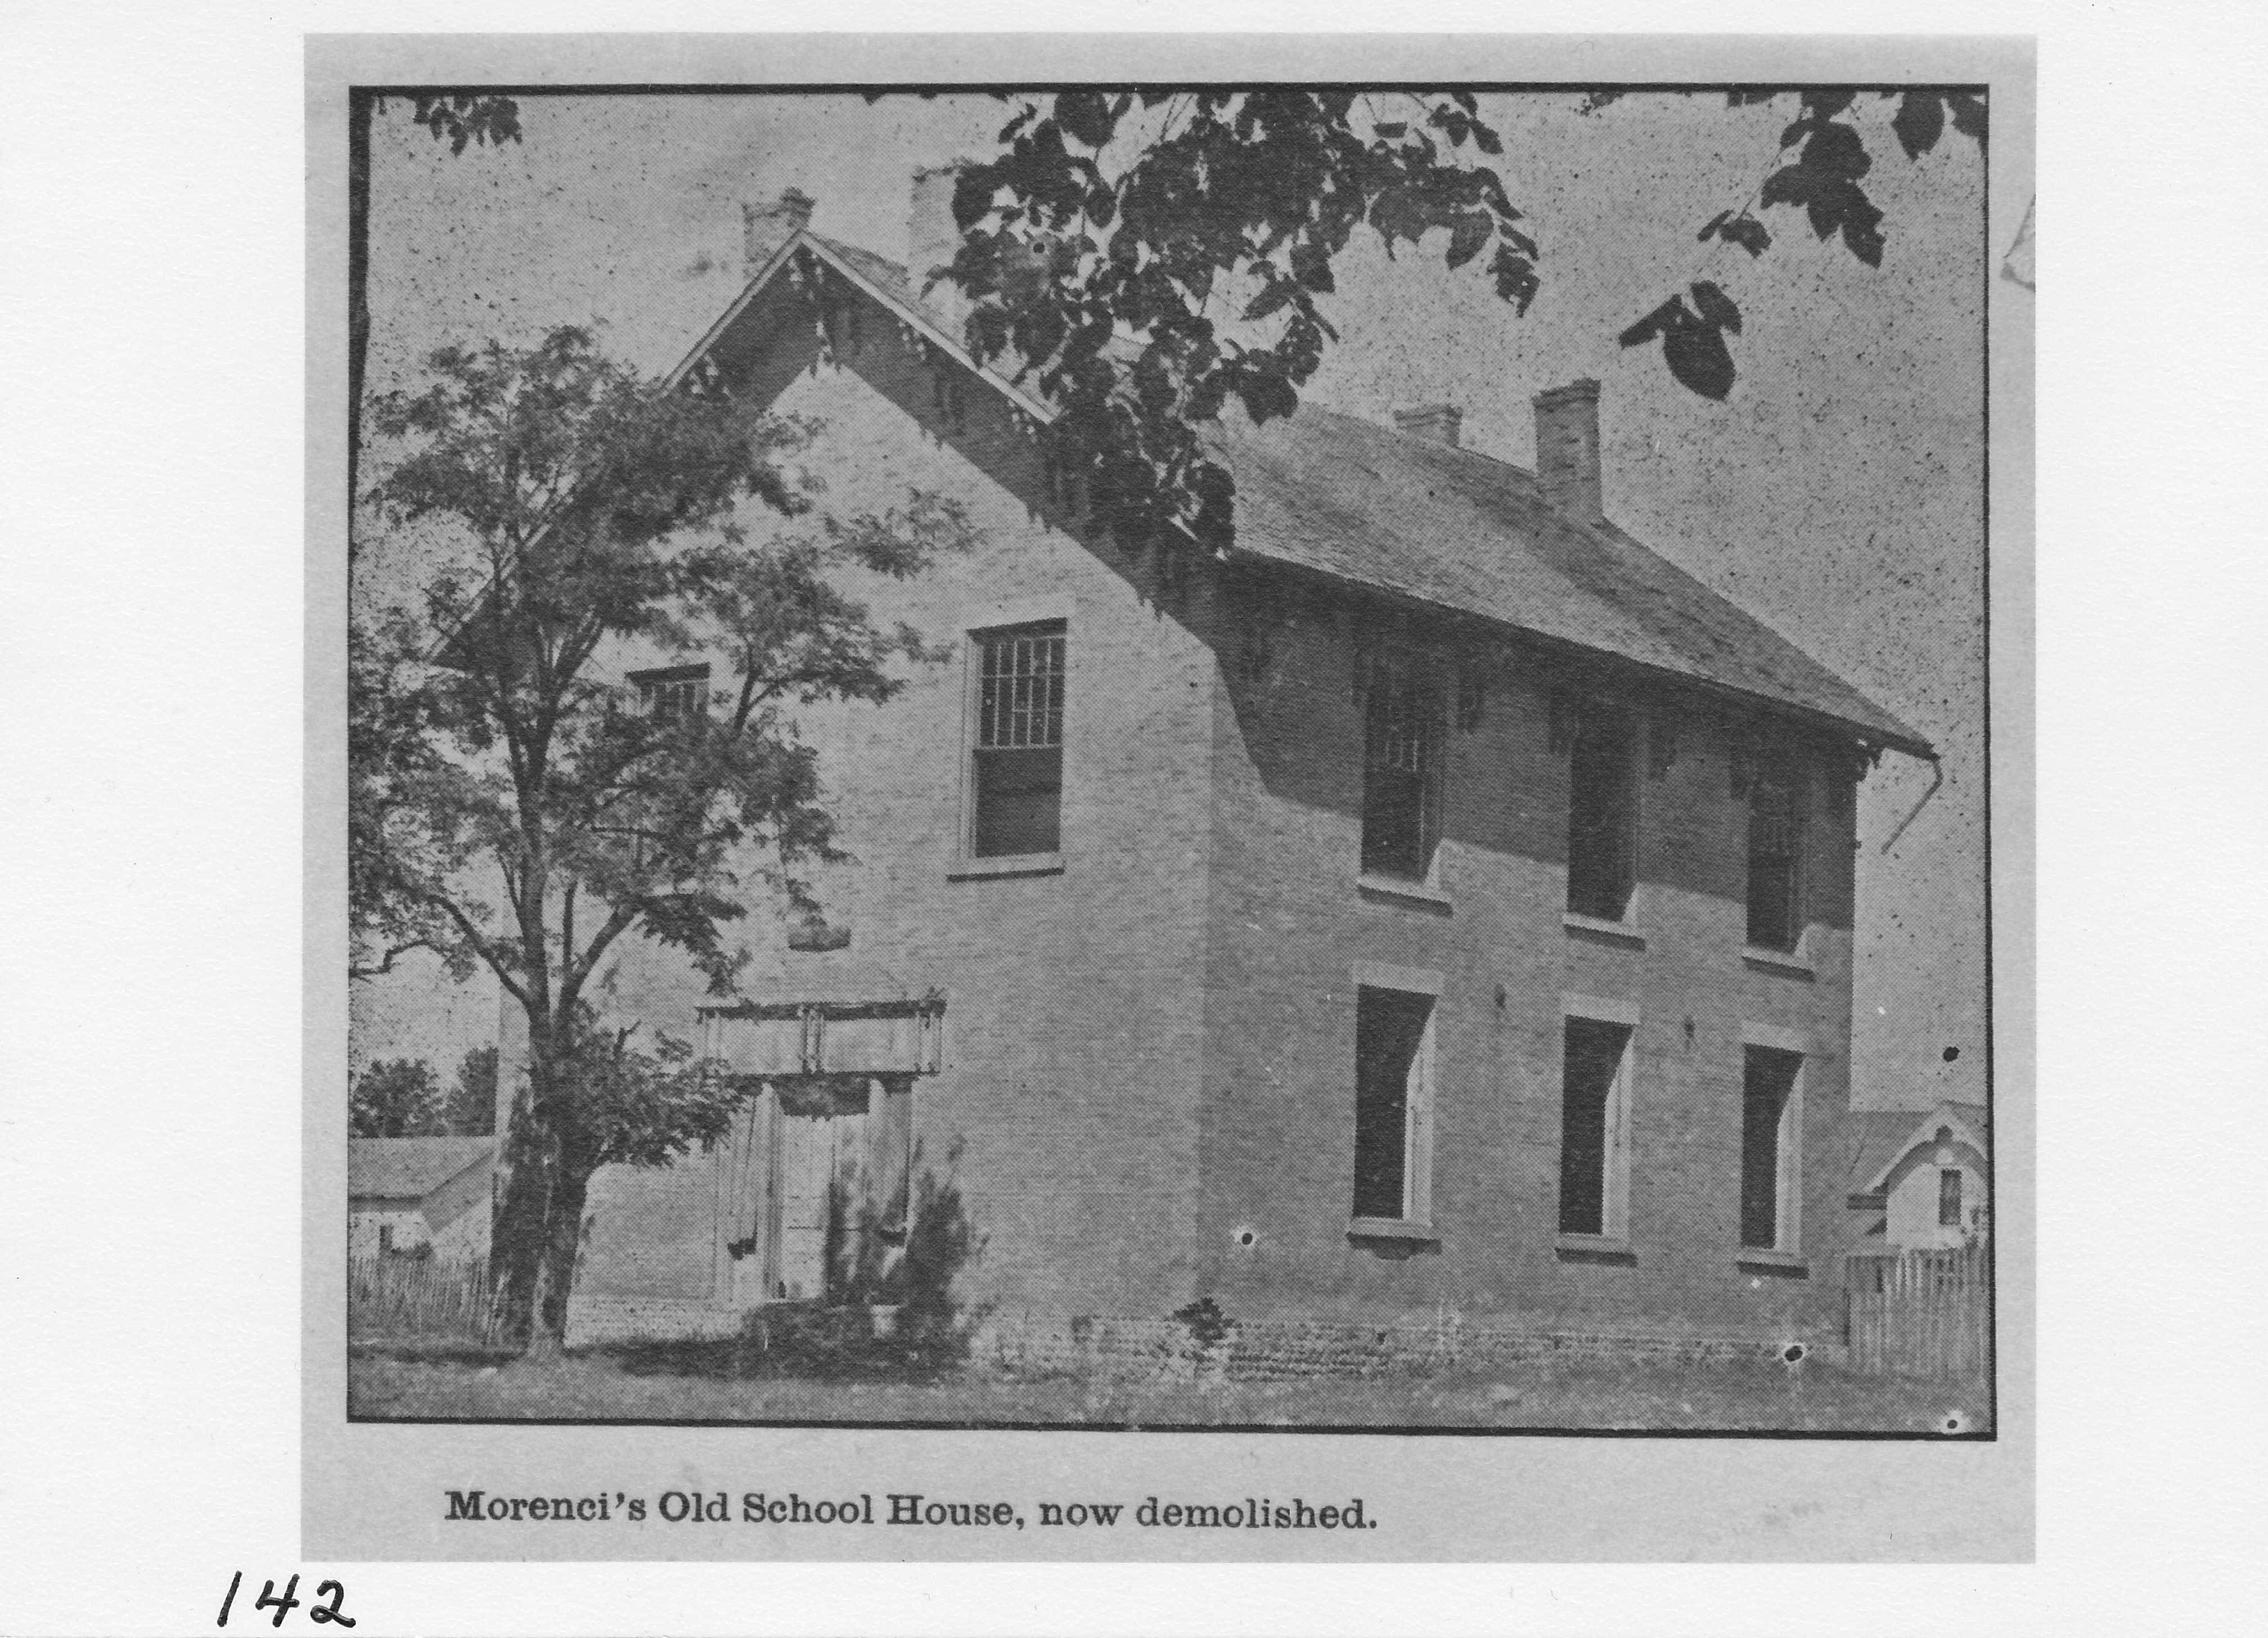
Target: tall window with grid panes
x=1016 y=786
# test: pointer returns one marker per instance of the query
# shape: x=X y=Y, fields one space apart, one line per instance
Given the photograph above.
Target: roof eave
x=1873 y=736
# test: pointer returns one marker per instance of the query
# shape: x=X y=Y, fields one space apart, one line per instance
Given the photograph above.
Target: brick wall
x=1065 y=1111
x=1148 y=1089
x=1287 y=922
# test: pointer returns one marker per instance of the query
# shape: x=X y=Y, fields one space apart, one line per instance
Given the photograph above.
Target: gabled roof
x=1443 y=526
x=409 y=1168
x=1893 y=1135
x=1452 y=528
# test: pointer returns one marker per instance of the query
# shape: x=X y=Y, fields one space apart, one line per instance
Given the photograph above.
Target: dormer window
x=673 y=693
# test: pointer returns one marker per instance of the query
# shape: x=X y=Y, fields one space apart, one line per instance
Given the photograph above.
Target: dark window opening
x=1594 y=1058
x=1019 y=773
x=384 y=1237
x=677 y=692
x=1767 y=1086
x=1401 y=778
x=1948 y=1197
x=1389 y=1032
x=946 y=396
x=1775 y=862
x=1602 y=818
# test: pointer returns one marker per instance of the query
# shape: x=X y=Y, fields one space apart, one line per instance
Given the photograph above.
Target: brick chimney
x=764 y=228
x=1436 y=423
x=1567 y=449
x=932 y=240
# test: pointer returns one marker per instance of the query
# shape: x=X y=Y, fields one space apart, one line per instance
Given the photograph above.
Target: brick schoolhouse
x=1438 y=902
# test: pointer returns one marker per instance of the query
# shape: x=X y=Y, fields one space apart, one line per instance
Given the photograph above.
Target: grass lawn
x=1721 y=1395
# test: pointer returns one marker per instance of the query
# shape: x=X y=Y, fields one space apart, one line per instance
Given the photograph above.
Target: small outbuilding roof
x=409 y=1168
x=1443 y=526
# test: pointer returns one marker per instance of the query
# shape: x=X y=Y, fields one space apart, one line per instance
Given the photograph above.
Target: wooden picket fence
x=428 y=1298
x=1921 y=1313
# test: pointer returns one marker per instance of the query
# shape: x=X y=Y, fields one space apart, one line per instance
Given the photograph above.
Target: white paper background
x=151 y=221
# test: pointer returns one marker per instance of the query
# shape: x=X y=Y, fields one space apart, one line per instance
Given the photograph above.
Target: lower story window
x=1393 y=1104
x=1595 y=1128
x=1770 y=1114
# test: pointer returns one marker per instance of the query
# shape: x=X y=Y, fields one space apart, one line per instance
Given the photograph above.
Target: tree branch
x=386 y=964
x=617 y=922
x=480 y=945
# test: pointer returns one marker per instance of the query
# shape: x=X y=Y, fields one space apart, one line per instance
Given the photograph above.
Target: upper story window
x=1017 y=782
x=1404 y=739
x=1775 y=858
x=1603 y=815
x=673 y=692
x=1948 y=1197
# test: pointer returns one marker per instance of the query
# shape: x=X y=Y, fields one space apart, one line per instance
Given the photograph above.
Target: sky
x=1836 y=494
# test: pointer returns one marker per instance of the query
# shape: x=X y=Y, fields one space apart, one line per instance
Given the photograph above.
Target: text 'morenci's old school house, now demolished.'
x=1437 y=901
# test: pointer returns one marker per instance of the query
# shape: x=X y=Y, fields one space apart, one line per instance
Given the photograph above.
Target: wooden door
x=807 y=1171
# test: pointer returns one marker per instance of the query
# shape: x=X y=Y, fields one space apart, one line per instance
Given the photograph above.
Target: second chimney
x=933 y=239
x=1436 y=423
x=764 y=228
x=1567 y=449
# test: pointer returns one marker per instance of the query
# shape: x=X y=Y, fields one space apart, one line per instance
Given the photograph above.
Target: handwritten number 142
x=334 y=1590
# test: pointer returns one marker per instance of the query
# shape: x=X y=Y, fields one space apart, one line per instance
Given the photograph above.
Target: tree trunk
x=555 y=1273
x=528 y=1154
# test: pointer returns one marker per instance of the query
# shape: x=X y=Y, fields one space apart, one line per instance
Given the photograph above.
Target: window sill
x=1005 y=864
x=1759 y=1260
x=1392 y=1229
x=1622 y=932
x=1786 y=962
x=1594 y=1248
x=1410 y=892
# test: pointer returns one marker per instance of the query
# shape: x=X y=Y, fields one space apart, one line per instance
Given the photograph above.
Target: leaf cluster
x=619 y=1104
x=459 y=119
x=399 y=1098
x=1822 y=178
x=1693 y=338
x=1110 y=285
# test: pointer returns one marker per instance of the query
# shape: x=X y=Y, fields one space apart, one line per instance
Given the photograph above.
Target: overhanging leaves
x=1693 y=339
x=1257 y=192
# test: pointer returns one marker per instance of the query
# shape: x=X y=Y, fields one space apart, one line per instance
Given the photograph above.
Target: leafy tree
x=471 y=1108
x=1147 y=256
x=396 y=1098
x=515 y=809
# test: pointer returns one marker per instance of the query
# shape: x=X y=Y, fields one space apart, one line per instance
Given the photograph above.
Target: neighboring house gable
x=1930 y=1182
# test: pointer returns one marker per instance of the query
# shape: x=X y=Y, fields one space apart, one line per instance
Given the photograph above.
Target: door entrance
x=812 y=1188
